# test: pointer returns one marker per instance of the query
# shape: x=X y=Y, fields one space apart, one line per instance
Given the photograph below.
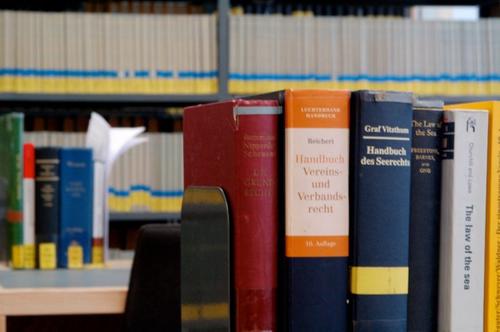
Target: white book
x=121 y=60
x=186 y=45
x=276 y=40
x=58 y=53
x=163 y=161
x=179 y=160
x=195 y=52
x=233 y=35
x=150 y=35
x=108 y=47
x=204 y=56
x=335 y=41
x=72 y=47
x=213 y=42
x=236 y=44
x=463 y=205
x=175 y=161
x=170 y=49
x=144 y=33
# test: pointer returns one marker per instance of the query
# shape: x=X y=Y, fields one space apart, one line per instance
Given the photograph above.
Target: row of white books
x=147 y=178
x=429 y=57
x=107 y=53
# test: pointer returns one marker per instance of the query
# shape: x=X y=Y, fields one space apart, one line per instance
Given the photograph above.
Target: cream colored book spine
x=463 y=219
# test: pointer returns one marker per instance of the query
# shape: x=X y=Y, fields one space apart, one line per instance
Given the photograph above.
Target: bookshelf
x=223 y=74
x=109 y=98
x=144 y=216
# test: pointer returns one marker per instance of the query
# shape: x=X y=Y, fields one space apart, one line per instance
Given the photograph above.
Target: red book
x=234 y=145
x=29 y=257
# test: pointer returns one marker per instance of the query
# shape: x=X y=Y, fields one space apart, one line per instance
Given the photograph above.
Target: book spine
x=14 y=217
x=463 y=218
x=47 y=206
x=425 y=220
x=256 y=218
x=98 y=213
x=75 y=229
x=317 y=209
x=29 y=206
x=380 y=209
x=492 y=270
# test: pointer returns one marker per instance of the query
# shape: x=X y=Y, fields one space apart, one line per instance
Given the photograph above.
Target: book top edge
x=385 y=96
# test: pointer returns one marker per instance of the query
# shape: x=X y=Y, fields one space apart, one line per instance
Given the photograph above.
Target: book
x=381 y=125
x=29 y=206
x=317 y=209
x=425 y=216
x=492 y=262
x=11 y=178
x=463 y=219
x=234 y=145
x=47 y=194
x=76 y=201
x=3 y=223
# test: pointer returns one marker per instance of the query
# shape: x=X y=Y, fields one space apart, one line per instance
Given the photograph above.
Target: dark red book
x=234 y=145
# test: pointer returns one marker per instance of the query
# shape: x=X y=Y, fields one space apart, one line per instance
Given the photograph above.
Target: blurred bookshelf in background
x=185 y=48
x=149 y=177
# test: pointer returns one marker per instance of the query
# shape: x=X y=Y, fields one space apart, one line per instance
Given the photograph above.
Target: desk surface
x=61 y=292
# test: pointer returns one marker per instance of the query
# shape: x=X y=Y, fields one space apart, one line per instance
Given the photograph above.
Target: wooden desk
x=62 y=292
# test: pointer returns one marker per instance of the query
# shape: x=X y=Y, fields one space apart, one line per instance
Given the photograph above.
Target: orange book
x=317 y=208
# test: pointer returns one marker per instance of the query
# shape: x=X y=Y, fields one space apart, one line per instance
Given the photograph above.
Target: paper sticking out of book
x=108 y=144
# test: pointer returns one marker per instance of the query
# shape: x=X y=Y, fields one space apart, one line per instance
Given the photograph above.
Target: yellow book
x=492 y=264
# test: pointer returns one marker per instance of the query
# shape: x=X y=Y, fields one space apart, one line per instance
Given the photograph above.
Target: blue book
x=76 y=193
x=381 y=127
x=425 y=217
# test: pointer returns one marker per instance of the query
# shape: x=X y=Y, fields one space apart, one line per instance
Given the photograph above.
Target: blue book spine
x=425 y=219
x=76 y=197
x=381 y=127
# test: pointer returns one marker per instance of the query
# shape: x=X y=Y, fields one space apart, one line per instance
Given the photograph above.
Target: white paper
x=107 y=144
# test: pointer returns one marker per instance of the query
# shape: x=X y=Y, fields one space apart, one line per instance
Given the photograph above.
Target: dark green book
x=11 y=185
x=425 y=216
x=47 y=206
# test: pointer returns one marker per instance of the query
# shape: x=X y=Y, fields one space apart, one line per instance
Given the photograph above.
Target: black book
x=425 y=216
x=380 y=209
x=47 y=206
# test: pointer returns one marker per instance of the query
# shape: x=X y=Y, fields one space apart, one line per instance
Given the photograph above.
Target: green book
x=11 y=183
